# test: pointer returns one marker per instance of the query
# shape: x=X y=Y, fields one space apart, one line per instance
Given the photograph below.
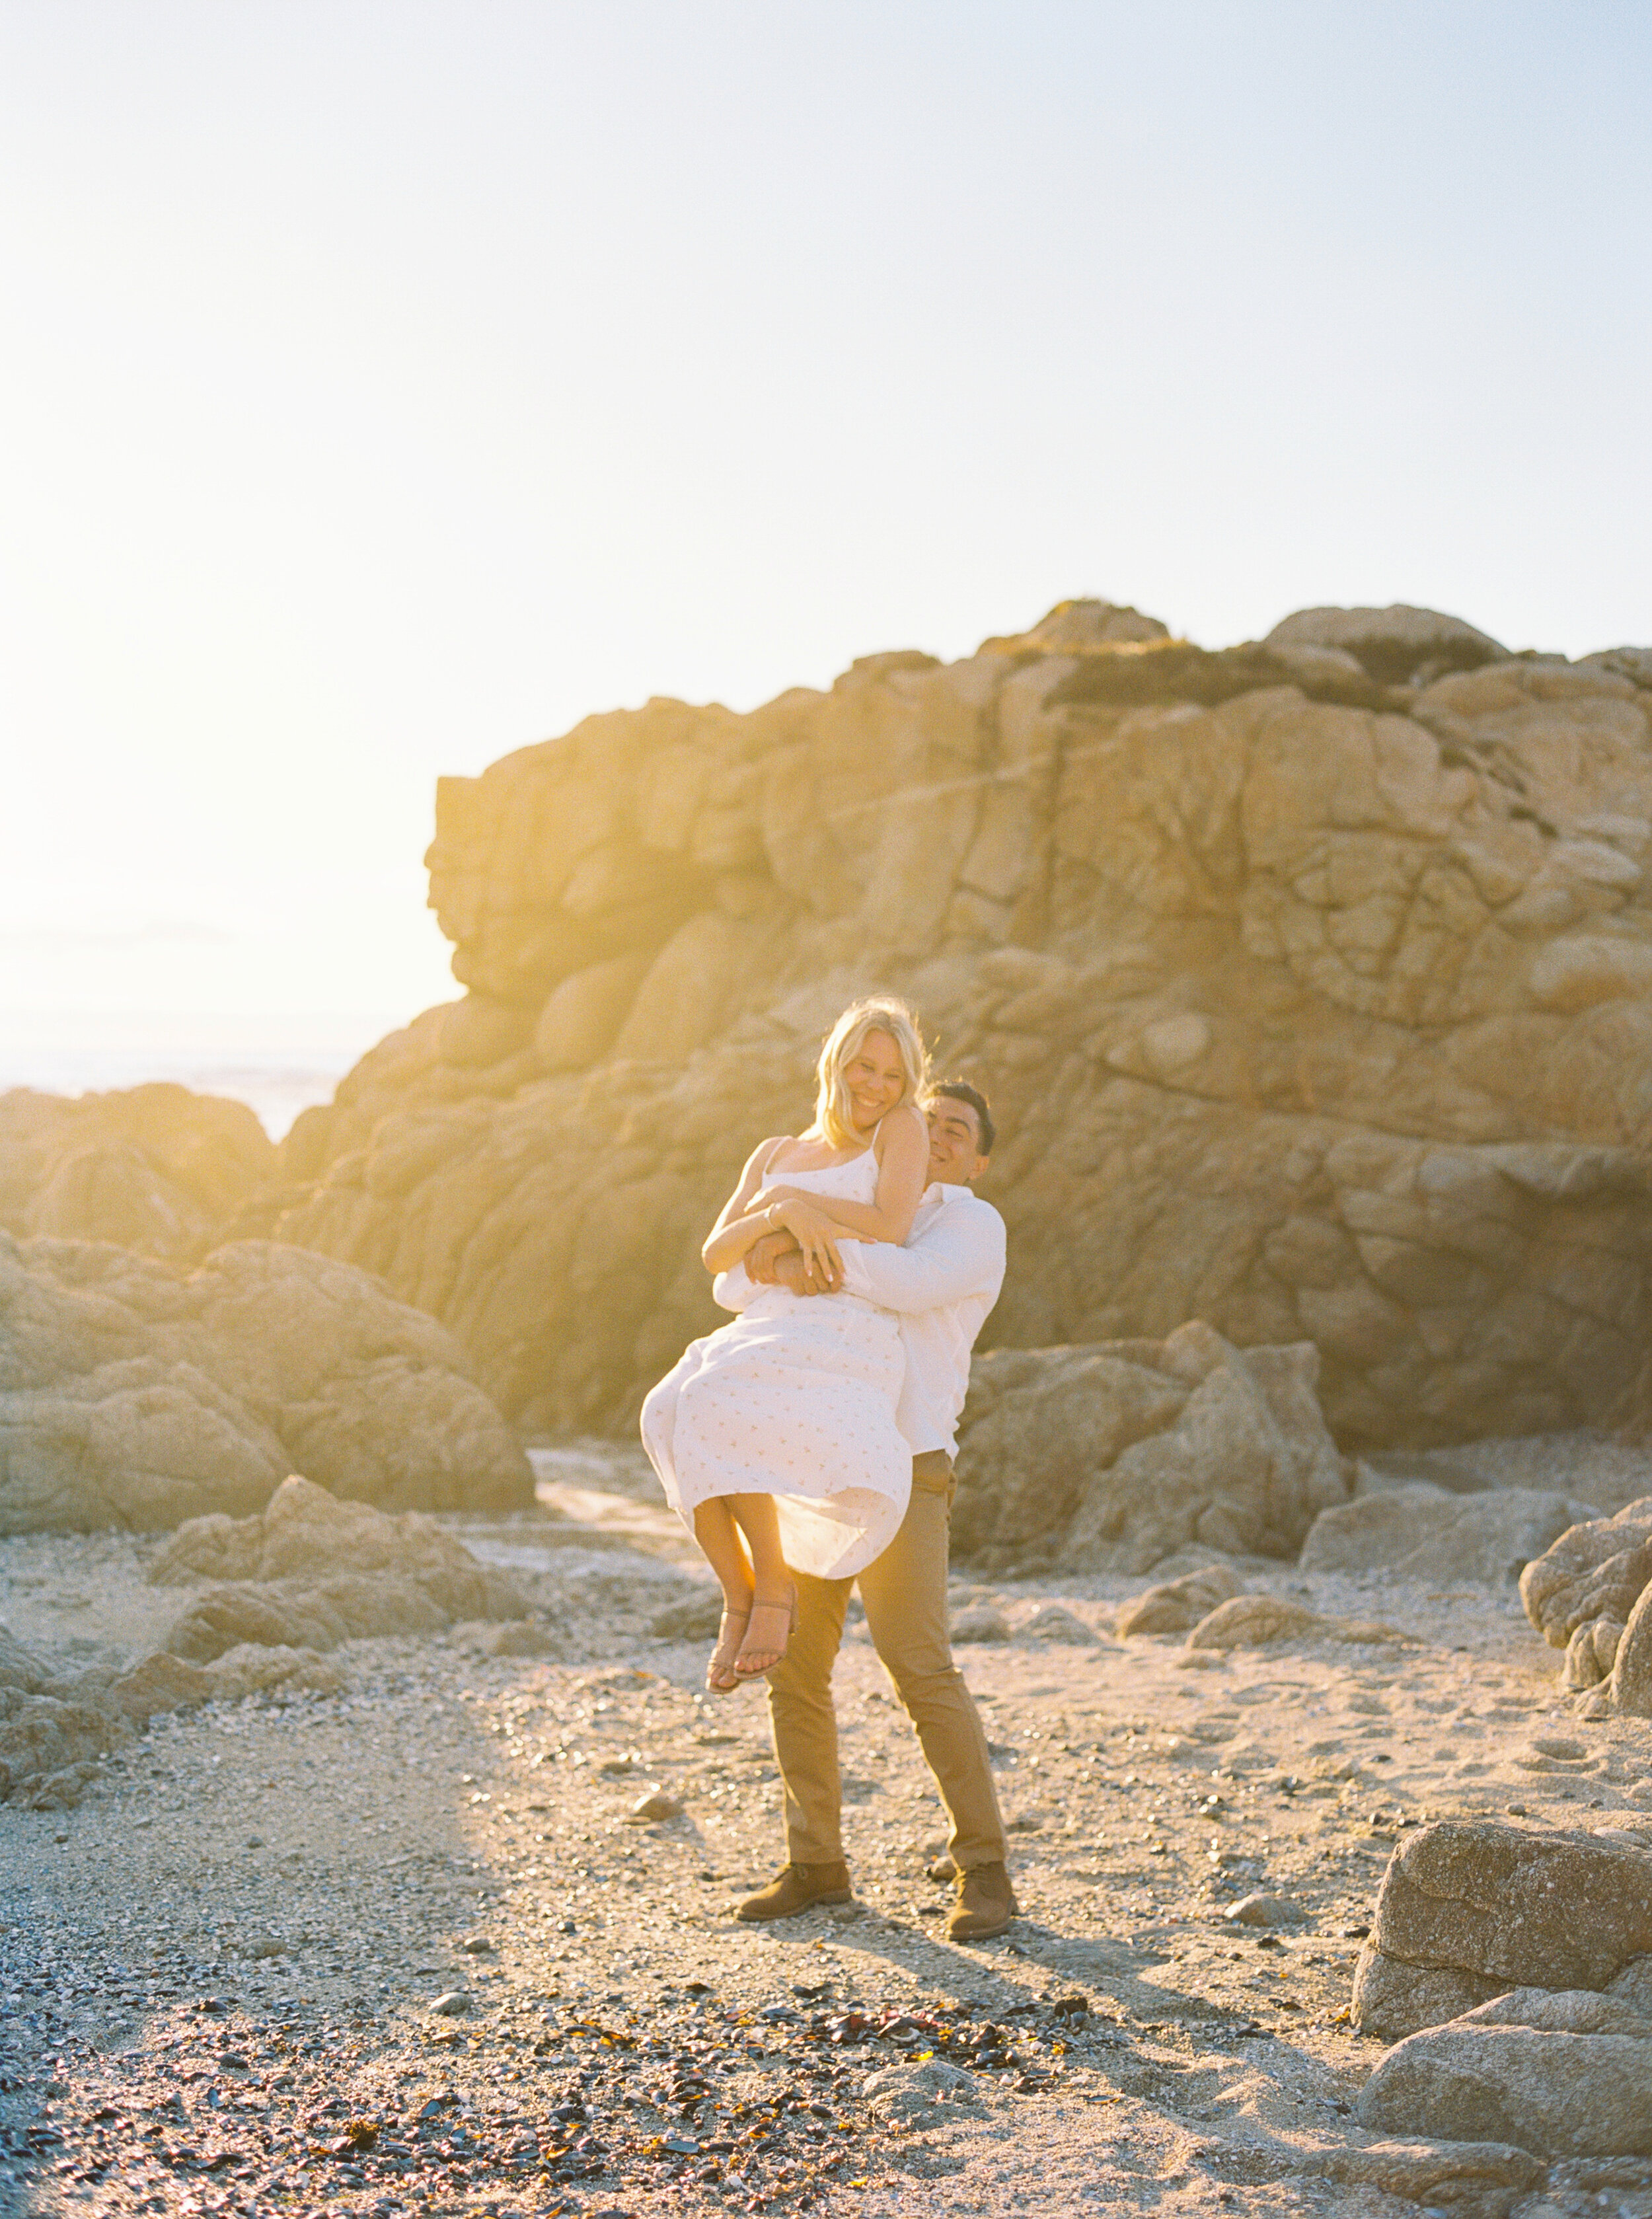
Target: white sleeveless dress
x=795 y=1399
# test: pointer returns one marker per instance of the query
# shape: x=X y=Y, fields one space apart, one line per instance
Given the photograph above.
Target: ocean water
x=276 y=1065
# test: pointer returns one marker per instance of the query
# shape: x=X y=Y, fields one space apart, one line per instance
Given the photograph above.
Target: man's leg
x=804 y=1726
x=905 y=1598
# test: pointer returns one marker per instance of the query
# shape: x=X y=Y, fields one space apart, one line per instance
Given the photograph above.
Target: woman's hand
x=815 y=1234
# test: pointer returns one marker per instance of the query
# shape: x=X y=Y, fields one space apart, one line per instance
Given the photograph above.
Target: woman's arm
x=903 y=1173
x=739 y=1226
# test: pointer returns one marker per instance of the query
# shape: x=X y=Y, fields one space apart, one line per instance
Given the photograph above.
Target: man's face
x=955 y=1155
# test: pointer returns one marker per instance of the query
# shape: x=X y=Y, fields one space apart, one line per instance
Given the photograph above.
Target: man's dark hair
x=961 y=1091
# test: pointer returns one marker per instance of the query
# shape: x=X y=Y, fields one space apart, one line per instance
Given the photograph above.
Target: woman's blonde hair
x=880 y=1013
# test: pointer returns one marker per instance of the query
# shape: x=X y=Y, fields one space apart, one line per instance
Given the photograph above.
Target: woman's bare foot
x=766 y=1636
x=720 y=1675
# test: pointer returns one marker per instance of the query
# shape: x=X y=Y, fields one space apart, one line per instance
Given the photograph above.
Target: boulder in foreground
x=1565 y=2075
x=138 y=1393
x=1482 y=2179
x=1470 y=1909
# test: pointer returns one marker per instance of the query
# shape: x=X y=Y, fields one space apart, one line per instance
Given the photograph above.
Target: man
x=942 y=1285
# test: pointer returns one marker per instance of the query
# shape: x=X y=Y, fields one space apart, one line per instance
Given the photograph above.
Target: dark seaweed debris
x=609 y=2103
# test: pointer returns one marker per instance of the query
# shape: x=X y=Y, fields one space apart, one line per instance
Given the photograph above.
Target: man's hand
x=790 y=1271
x=817 y=1236
x=762 y=1257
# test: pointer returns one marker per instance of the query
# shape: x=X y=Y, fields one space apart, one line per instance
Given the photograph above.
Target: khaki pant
x=904 y=1594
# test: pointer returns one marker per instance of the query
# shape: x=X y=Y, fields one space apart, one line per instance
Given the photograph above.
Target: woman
x=775 y=1438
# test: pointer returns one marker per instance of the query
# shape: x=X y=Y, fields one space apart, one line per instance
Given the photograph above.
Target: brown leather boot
x=797 y=1888
x=986 y=1903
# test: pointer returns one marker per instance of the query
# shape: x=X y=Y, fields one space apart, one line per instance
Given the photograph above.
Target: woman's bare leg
x=719 y=1537
x=773 y=1591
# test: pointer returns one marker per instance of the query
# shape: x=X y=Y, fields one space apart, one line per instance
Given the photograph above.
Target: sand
x=223 y=1965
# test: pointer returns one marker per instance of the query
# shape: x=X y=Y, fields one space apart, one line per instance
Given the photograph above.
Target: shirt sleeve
x=958 y=1253
x=733 y=1288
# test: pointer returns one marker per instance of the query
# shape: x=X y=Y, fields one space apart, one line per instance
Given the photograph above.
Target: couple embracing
x=809 y=1444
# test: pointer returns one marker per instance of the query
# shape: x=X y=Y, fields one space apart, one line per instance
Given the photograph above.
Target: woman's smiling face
x=874 y=1078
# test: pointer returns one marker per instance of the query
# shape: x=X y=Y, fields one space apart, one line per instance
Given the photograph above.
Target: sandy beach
x=407 y=1947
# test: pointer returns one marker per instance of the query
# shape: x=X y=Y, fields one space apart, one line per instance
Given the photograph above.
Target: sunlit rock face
x=1309 y=978
x=135 y=1393
x=154 y=1168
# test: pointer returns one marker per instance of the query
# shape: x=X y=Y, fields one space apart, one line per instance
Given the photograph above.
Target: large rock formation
x=135 y=1393
x=1311 y=979
x=1114 y=1457
x=154 y=1168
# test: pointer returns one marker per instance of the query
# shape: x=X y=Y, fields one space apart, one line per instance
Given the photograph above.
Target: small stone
x=1174 y=1606
x=453 y=2004
x=653 y=1810
x=520 y=1638
x=1252 y=1621
x=1053 y=1623
x=980 y=1622
x=1264 y=1910
x=161 y=1682
x=698 y=1619
x=906 y=2091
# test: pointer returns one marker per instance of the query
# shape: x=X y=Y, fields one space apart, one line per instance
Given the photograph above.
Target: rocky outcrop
x=1479 y=2180
x=56 y=1733
x=1470 y=1909
x=155 y=1168
x=1112 y=1457
x=135 y=1393
x=311 y=1571
x=1422 y=1532
x=1561 y=2075
x=1585 y=1593
x=272 y=1592
x=1310 y=978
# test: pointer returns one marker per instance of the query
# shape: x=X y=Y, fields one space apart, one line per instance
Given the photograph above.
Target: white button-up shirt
x=941 y=1284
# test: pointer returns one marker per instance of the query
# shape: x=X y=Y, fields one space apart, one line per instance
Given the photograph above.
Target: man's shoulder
x=961 y=1203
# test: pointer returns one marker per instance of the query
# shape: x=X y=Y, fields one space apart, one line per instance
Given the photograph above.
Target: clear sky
x=386 y=383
